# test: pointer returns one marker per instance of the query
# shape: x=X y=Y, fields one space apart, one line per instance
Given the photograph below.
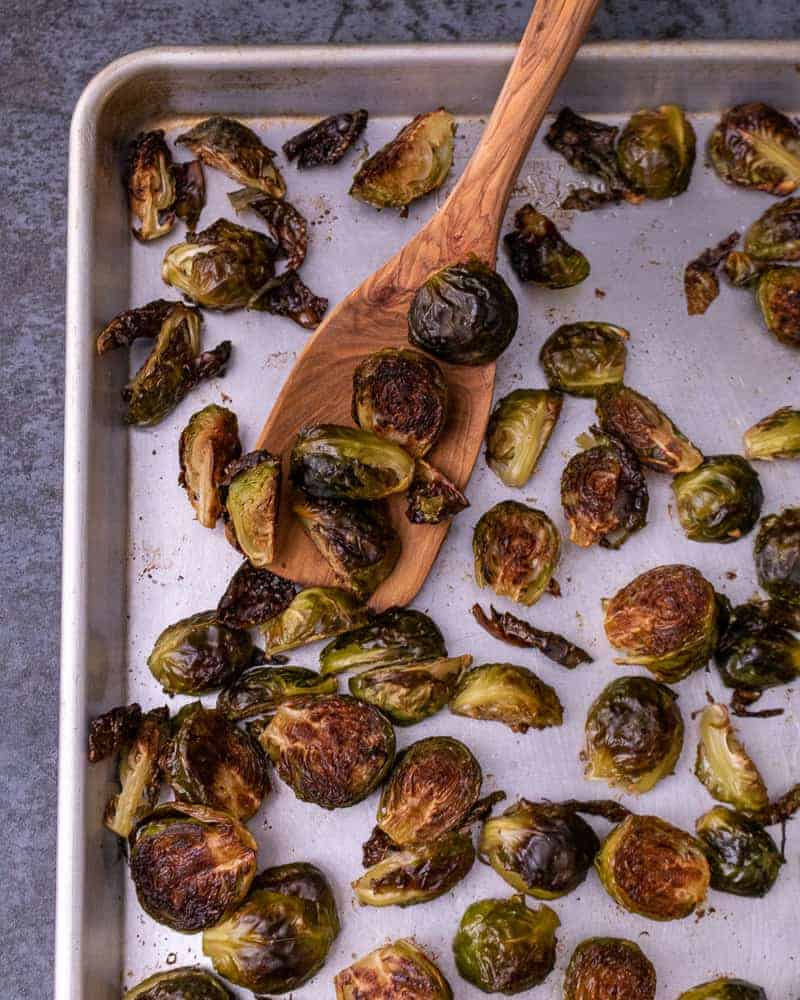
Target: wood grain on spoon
x=319 y=387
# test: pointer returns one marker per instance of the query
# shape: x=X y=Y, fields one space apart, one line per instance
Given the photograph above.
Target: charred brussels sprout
x=286 y=295
x=744 y=859
x=331 y=749
x=198 y=654
x=756 y=651
x=233 y=148
x=519 y=429
x=253 y=596
x=411 y=165
x=700 y=281
x=776 y=234
x=190 y=983
x=409 y=693
x=250 y=491
x=134 y=324
x=540 y=254
x=778 y=297
x=777 y=555
x=150 y=185
x=432 y=497
x=398 y=971
x=464 y=314
x=755 y=146
x=720 y=500
x=286 y=226
x=259 y=691
x=776 y=436
x=634 y=734
x=281 y=934
x=140 y=773
x=516 y=632
x=654 y=869
x=191 y=865
x=327 y=141
x=110 y=731
x=394 y=637
x=504 y=692
x=603 y=968
x=208 y=443
x=315 y=613
x=502 y=946
x=581 y=358
x=656 y=151
x=724 y=766
x=516 y=549
x=725 y=989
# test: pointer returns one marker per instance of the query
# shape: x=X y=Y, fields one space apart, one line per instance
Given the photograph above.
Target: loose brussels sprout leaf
x=259 y=691
x=744 y=859
x=315 y=613
x=198 y=654
x=401 y=395
x=656 y=151
x=409 y=693
x=654 y=869
x=581 y=358
x=394 y=637
x=250 y=492
x=398 y=971
x=190 y=983
x=519 y=429
x=516 y=632
x=516 y=549
x=777 y=556
x=327 y=141
x=503 y=692
x=755 y=146
x=254 y=596
x=783 y=808
x=331 y=749
x=742 y=270
x=432 y=497
x=191 y=865
x=723 y=764
x=776 y=436
x=725 y=989
x=281 y=934
x=756 y=651
x=540 y=254
x=776 y=234
x=208 y=443
x=344 y=463
x=464 y=314
x=411 y=165
x=133 y=324
x=357 y=540
x=190 y=192
x=233 y=148
x=604 y=968
x=287 y=296
x=112 y=730
x=778 y=297
x=700 y=281
x=502 y=946
x=720 y=500
x=150 y=184
x=140 y=774
x=286 y=226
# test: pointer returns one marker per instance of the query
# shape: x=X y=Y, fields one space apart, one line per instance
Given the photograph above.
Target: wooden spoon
x=319 y=387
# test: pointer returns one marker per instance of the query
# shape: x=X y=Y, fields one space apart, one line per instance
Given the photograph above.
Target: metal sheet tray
x=135 y=560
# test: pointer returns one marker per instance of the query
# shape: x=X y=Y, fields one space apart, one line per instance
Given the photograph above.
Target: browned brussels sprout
x=581 y=358
x=327 y=141
x=516 y=551
x=540 y=254
x=253 y=596
x=777 y=555
x=250 y=492
x=432 y=497
x=315 y=613
x=720 y=500
x=757 y=651
x=281 y=934
x=409 y=693
x=778 y=297
x=260 y=690
x=700 y=281
x=190 y=192
x=776 y=436
x=516 y=632
x=140 y=773
x=331 y=749
x=191 y=865
x=724 y=766
x=392 y=638
x=519 y=429
x=286 y=226
x=744 y=859
x=401 y=395
x=411 y=165
x=504 y=692
x=287 y=296
x=150 y=185
x=110 y=731
x=133 y=324
x=604 y=968
x=464 y=314
x=755 y=146
x=198 y=654
x=190 y=983
x=233 y=148
x=743 y=270
x=208 y=443
x=502 y=946
x=725 y=989
x=397 y=971
x=656 y=151
x=776 y=234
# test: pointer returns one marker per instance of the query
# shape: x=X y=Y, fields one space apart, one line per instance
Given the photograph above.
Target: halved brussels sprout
x=634 y=734
x=519 y=429
x=315 y=613
x=581 y=358
x=724 y=766
x=503 y=946
x=540 y=254
x=331 y=749
x=516 y=632
x=150 y=184
x=207 y=444
x=756 y=651
x=253 y=596
x=394 y=637
x=464 y=314
x=397 y=971
x=409 y=693
x=604 y=968
x=287 y=228
x=776 y=436
x=191 y=865
x=198 y=654
x=260 y=690
x=775 y=235
x=250 y=493
x=327 y=141
x=235 y=149
x=411 y=165
x=281 y=934
x=755 y=146
x=432 y=497
x=744 y=859
x=504 y=692
x=778 y=298
x=190 y=983
x=654 y=869
x=516 y=551
x=720 y=500
x=140 y=773
x=656 y=151
x=700 y=282
x=725 y=989
x=777 y=555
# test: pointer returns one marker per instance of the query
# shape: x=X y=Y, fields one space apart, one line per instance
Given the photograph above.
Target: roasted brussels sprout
x=432 y=497
x=720 y=500
x=654 y=869
x=409 y=693
x=233 y=148
x=756 y=651
x=777 y=555
x=519 y=429
x=411 y=165
x=775 y=235
x=281 y=934
x=634 y=734
x=327 y=141
x=700 y=282
x=191 y=865
x=723 y=764
x=604 y=968
x=516 y=549
x=394 y=637
x=253 y=596
x=190 y=983
x=581 y=358
x=656 y=151
x=666 y=619
x=540 y=254
x=504 y=692
x=208 y=443
x=755 y=146
x=516 y=632
x=778 y=297
x=150 y=185
x=725 y=989
x=776 y=436
x=315 y=613
x=250 y=492
x=502 y=946
x=398 y=971
x=287 y=228
x=140 y=773
x=133 y=324
x=742 y=270
x=743 y=858
x=198 y=654
x=331 y=749
x=259 y=691
x=464 y=314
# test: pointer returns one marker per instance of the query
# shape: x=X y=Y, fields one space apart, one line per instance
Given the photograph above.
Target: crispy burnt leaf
x=700 y=280
x=133 y=324
x=286 y=295
x=327 y=141
x=516 y=632
x=285 y=224
x=190 y=191
x=254 y=596
x=109 y=731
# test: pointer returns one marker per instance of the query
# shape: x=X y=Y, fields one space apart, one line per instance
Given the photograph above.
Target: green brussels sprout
x=227 y=145
x=140 y=773
x=666 y=619
x=743 y=858
x=540 y=254
x=778 y=298
x=260 y=690
x=516 y=551
x=700 y=282
x=725 y=989
x=755 y=146
x=327 y=141
x=198 y=654
x=777 y=555
x=392 y=638
x=604 y=968
x=776 y=436
x=581 y=358
x=656 y=151
x=724 y=766
x=280 y=936
x=331 y=749
x=285 y=225
x=189 y=983
x=191 y=865
x=756 y=652
x=150 y=184
x=250 y=493
x=634 y=734
x=775 y=235
x=504 y=692
x=411 y=165
x=207 y=444
x=432 y=497
x=503 y=946
x=411 y=692
x=315 y=613
x=464 y=314
x=720 y=500
x=519 y=429
x=654 y=869
x=253 y=596
x=397 y=971
x=516 y=632
x=401 y=395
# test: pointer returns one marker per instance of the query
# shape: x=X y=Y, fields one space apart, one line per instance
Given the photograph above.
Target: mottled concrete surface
x=49 y=51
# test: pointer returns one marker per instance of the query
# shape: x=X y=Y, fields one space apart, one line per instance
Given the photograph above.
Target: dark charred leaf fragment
x=254 y=596
x=284 y=223
x=286 y=295
x=700 y=280
x=327 y=141
x=109 y=731
x=516 y=632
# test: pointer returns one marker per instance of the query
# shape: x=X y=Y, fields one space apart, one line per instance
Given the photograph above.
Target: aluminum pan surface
x=135 y=560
